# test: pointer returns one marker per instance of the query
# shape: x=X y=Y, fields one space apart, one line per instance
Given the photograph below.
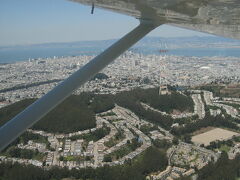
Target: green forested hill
x=10 y=111
x=166 y=103
x=78 y=111
x=74 y=114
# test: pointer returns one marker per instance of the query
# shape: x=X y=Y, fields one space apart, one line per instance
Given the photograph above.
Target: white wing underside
x=219 y=17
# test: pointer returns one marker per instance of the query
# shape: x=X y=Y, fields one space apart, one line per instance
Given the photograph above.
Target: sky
x=41 y=21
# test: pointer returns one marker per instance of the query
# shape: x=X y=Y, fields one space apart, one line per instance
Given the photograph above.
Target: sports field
x=213 y=135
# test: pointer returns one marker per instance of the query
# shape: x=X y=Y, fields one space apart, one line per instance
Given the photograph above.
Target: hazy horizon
x=37 y=22
x=112 y=39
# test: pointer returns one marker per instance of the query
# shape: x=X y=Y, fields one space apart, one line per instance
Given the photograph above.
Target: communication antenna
x=161 y=72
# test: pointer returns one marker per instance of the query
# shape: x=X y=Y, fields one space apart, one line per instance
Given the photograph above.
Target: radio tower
x=162 y=67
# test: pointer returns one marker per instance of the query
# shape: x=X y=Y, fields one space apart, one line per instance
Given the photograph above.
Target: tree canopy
x=137 y=169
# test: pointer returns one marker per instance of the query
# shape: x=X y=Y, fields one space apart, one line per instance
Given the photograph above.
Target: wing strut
x=16 y=126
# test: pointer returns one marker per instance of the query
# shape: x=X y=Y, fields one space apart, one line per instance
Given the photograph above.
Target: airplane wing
x=219 y=17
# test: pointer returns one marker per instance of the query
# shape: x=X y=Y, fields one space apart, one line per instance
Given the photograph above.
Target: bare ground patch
x=213 y=135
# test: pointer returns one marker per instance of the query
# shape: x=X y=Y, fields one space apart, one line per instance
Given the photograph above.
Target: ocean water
x=10 y=55
x=198 y=52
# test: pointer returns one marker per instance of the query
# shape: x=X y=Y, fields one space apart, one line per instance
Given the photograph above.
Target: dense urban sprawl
x=124 y=138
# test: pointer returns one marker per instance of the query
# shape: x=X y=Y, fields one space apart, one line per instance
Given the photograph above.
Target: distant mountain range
x=148 y=45
x=153 y=41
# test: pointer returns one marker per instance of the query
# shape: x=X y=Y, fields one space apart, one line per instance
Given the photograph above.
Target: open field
x=213 y=135
x=222 y=90
x=231 y=90
x=202 y=130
